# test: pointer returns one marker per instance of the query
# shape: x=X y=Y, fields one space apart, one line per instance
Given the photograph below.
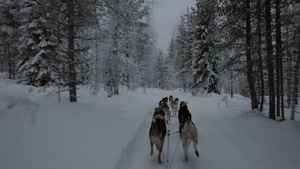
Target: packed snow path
x=228 y=139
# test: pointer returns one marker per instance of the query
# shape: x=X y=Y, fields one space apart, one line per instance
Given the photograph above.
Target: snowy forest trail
x=129 y=151
x=213 y=145
x=227 y=140
x=112 y=133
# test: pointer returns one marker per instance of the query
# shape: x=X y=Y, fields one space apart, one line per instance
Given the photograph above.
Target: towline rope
x=168 y=145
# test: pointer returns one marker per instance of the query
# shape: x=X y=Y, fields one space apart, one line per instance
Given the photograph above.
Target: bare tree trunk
x=11 y=64
x=289 y=81
x=71 y=52
x=254 y=104
x=231 y=84
x=260 y=65
x=96 y=85
x=270 y=60
x=278 y=53
x=279 y=74
x=115 y=56
x=296 y=83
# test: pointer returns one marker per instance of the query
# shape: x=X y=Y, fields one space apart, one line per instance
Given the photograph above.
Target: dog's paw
x=197 y=153
x=185 y=159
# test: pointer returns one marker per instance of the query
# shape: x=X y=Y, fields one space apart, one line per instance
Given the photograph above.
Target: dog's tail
x=158 y=116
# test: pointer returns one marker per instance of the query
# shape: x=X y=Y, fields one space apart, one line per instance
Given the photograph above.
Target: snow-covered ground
x=37 y=132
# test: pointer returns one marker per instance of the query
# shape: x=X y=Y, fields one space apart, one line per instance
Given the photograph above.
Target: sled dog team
x=158 y=130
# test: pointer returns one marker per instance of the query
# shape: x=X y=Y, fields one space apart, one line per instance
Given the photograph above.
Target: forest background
x=246 y=47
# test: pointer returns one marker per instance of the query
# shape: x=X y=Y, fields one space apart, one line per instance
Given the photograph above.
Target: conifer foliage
x=72 y=42
x=245 y=47
x=197 y=59
x=37 y=46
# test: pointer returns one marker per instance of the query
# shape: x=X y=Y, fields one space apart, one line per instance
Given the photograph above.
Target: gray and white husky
x=157 y=131
x=174 y=106
x=187 y=130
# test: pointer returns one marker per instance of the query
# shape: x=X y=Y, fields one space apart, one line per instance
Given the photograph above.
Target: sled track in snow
x=128 y=152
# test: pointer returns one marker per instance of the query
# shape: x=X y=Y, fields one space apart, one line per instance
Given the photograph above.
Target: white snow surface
x=37 y=132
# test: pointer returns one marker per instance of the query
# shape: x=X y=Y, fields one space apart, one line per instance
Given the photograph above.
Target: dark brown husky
x=158 y=131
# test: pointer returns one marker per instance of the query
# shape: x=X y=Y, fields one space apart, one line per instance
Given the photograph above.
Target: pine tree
x=161 y=71
x=279 y=67
x=171 y=62
x=37 y=46
x=296 y=83
x=270 y=60
x=251 y=82
x=205 y=72
x=9 y=23
x=183 y=59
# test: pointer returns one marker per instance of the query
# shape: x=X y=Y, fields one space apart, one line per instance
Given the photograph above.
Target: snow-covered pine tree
x=37 y=46
x=128 y=44
x=114 y=61
x=172 y=52
x=183 y=59
x=139 y=43
x=205 y=71
x=79 y=16
x=160 y=74
x=9 y=23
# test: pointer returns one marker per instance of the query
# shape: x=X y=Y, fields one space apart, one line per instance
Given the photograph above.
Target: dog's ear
x=181 y=104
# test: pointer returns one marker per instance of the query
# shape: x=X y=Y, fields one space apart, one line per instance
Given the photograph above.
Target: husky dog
x=166 y=110
x=163 y=104
x=174 y=105
x=157 y=131
x=187 y=130
x=170 y=100
x=183 y=112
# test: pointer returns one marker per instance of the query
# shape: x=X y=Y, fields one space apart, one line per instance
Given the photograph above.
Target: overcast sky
x=166 y=15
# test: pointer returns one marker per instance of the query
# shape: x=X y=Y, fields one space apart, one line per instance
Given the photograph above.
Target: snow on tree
x=204 y=58
x=128 y=44
x=9 y=23
x=183 y=59
x=37 y=44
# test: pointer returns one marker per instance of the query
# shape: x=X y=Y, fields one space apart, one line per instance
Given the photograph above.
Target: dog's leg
x=195 y=142
x=159 y=154
x=151 y=144
x=157 y=146
x=186 y=144
x=160 y=145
